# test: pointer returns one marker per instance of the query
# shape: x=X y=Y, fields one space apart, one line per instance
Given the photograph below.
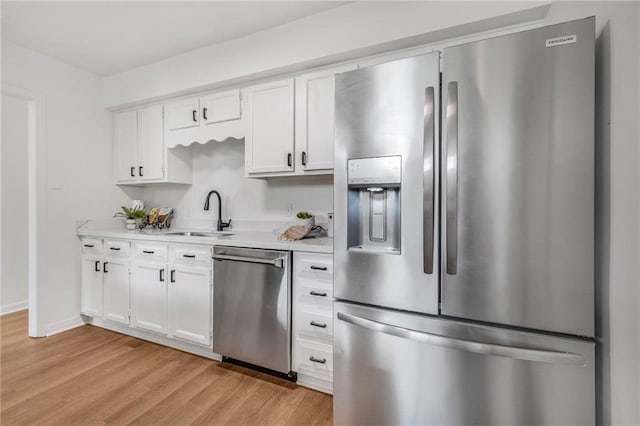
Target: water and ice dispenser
x=374 y=204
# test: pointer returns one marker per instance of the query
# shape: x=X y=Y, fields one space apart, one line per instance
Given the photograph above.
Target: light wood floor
x=89 y=375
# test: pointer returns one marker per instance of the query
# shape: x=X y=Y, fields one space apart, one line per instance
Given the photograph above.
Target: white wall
x=220 y=166
x=354 y=30
x=13 y=282
x=79 y=173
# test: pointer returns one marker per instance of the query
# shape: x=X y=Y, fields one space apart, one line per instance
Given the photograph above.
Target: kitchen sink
x=200 y=233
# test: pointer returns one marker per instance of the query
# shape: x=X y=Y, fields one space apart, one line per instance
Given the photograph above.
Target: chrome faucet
x=220 y=225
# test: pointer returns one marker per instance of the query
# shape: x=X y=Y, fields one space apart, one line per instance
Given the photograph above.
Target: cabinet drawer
x=188 y=255
x=317 y=326
x=314 y=266
x=116 y=248
x=317 y=293
x=151 y=252
x=313 y=359
x=92 y=246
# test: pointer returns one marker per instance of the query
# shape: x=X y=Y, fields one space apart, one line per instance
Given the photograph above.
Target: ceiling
x=107 y=38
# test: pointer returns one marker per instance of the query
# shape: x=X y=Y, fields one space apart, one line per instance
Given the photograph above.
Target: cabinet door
x=190 y=304
x=149 y=296
x=223 y=106
x=116 y=290
x=269 y=143
x=183 y=113
x=91 y=286
x=315 y=113
x=126 y=142
x=150 y=143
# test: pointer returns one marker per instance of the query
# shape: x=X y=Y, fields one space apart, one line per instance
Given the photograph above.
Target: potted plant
x=131 y=215
x=305 y=219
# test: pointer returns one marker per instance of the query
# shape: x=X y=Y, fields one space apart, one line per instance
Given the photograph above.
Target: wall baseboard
x=14 y=307
x=64 y=325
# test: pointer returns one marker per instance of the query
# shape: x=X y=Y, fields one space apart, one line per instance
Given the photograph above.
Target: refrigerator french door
x=464 y=233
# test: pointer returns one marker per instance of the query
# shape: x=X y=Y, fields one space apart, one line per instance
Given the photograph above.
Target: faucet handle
x=225 y=224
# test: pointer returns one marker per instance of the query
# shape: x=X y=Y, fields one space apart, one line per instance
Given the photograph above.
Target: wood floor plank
x=92 y=376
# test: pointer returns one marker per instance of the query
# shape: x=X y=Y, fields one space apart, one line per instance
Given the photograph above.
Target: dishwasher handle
x=278 y=262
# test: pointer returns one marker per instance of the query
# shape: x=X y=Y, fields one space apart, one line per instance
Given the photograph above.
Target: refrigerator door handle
x=514 y=352
x=428 y=179
x=452 y=178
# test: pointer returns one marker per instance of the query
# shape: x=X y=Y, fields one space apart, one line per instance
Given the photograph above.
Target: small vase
x=131 y=224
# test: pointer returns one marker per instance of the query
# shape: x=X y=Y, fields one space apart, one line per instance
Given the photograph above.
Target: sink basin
x=200 y=233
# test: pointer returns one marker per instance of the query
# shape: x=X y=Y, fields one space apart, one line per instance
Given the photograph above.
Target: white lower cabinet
x=190 y=304
x=149 y=296
x=154 y=287
x=312 y=340
x=116 y=290
x=91 y=286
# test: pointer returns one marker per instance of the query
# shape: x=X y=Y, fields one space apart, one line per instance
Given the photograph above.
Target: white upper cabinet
x=216 y=116
x=150 y=143
x=126 y=141
x=270 y=117
x=141 y=155
x=183 y=114
x=315 y=114
x=219 y=107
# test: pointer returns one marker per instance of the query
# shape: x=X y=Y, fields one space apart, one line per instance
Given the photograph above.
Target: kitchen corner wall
x=220 y=166
x=79 y=174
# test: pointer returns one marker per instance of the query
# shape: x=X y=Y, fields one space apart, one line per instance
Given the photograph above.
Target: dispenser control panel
x=376 y=170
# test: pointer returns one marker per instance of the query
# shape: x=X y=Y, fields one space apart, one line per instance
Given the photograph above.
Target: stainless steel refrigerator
x=464 y=234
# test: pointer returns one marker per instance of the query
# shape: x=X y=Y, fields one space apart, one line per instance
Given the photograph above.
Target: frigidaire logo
x=561 y=40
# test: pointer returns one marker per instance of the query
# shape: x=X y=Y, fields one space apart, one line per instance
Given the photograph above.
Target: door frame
x=36 y=182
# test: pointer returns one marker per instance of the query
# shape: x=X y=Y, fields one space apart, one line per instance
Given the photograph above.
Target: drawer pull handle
x=189 y=256
x=317 y=293
x=318 y=268
x=318 y=360
x=104 y=267
x=89 y=245
x=97 y=266
x=114 y=248
x=161 y=275
x=148 y=251
x=317 y=324
x=172 y=276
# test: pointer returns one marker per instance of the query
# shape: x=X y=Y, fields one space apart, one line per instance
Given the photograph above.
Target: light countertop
x=250 y=239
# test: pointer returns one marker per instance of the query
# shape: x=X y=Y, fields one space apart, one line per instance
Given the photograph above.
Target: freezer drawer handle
x=318 y=360
x=515 y=352
x=318 y=268
x=278 y=263
x=317 y=293
x=317 y=324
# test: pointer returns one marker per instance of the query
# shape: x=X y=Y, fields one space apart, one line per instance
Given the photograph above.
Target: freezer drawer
x=400 y=368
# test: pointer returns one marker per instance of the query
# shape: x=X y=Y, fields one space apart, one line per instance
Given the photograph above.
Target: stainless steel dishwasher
x=252 y=307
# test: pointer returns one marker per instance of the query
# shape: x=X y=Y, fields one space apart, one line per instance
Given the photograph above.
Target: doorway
x=22 y=202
